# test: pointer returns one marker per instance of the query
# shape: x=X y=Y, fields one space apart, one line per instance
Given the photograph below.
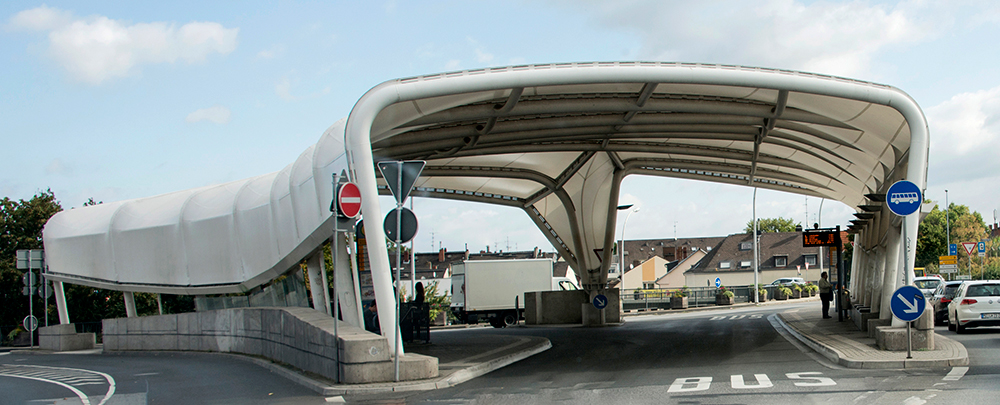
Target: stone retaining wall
x=300 y=337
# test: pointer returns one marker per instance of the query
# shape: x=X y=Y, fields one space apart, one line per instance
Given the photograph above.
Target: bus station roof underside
x=556 y=140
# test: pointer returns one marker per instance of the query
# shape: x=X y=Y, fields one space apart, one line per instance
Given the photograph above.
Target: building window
x=725 y=265
x=745 y=264
x=810 y=260
x=648 y=285
x=746 y=245
x=780 y=261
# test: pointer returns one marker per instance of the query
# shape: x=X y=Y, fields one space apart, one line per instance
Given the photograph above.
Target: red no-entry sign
x=349 y=200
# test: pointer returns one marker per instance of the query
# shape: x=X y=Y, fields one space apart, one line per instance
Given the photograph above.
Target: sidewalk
x=844 y=344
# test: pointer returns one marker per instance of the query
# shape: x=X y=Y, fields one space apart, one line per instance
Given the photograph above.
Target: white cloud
x=453 y=64
x=217 y=114
x=284 y=90
x=271 y=53
x=965 y=130
x=95 y=49
x=56 y=166
x=824 y=37
x=482 y=56
x=43 y=18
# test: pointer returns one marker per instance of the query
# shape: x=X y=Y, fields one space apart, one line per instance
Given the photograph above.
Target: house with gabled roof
x=781 y=255
x=670 y=249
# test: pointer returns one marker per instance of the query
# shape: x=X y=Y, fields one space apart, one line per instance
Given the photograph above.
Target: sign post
x=829 y=237
x=907 y=304
x=346 y=206
x=28 y=260
x=400 y=176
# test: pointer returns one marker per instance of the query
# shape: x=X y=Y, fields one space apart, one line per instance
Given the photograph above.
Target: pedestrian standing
x=825 y=294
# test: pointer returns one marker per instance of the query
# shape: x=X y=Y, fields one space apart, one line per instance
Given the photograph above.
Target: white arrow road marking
x=912 y=307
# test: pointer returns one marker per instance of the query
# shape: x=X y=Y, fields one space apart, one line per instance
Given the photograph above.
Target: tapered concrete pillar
x=892 y=263
x=57 y=287
x=317 y=283
x=348 y=286
x=129 y=304
x=159 y=303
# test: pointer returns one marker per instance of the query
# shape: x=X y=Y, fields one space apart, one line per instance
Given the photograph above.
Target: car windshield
x=926 y=284
x=984 y=290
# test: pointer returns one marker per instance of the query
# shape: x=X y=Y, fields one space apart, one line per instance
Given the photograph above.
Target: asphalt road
x=712 y=357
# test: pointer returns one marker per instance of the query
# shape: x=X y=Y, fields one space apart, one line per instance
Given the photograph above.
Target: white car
x=977 y=303
x=928 y=284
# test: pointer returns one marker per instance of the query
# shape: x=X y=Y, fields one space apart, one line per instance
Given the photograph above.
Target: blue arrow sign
x=907 y=303
x=718 y=282
x=600 y=301
x=982 y=247
x=903 y=198
x=953 y=249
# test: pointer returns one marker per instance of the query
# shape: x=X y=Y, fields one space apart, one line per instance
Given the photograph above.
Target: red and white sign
x=349 y=200
x=969 y=247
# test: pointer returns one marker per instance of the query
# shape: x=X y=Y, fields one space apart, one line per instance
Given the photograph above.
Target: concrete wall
x=301 y=337
x=567 y=307
x=63 y=337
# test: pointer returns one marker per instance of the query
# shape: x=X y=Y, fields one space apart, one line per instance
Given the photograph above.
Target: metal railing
x=659 y=298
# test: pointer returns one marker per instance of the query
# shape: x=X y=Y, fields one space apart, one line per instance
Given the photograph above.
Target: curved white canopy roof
x=218 y=239
x=555 y=140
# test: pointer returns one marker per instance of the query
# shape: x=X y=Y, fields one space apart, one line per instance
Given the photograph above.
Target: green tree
x=966 y=226
x=772 y=225
x=21 y=224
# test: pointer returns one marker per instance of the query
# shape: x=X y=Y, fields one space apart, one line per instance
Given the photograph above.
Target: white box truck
x=489 y=289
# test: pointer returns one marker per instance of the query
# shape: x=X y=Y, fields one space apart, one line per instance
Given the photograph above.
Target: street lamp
x=621 y=252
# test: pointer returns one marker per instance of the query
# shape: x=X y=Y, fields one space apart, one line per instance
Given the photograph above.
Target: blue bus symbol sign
x=903 y=198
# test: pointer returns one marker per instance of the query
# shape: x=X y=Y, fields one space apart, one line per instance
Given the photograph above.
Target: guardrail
x=653 y=299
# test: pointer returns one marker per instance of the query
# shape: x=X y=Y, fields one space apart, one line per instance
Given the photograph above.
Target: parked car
x=977 y=303
x=927 y=284
x=939 y=300
x=787 y=281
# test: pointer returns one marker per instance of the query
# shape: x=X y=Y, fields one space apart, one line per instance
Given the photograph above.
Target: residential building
x=781 y=255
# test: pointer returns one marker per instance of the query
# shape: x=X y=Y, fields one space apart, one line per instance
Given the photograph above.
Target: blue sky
x=127 y=100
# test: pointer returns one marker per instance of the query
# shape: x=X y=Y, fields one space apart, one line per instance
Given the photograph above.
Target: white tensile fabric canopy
x=554 y=140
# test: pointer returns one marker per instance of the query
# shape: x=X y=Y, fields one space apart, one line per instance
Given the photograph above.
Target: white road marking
x=144 y=374
x=914 y=401
x=339 y=400
x=83 y=397
x=63 y=374
x=956 y=373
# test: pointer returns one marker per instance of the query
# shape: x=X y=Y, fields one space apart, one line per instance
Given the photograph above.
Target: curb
x=462 y=375
x=837 y=357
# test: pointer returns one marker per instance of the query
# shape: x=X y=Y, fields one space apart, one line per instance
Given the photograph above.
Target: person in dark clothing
x=418 y=297
x=825 y=294
x=371 y=319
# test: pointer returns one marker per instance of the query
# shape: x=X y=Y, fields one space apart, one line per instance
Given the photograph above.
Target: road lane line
x=956 y=373
x=83 y=397
x=110 y=380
